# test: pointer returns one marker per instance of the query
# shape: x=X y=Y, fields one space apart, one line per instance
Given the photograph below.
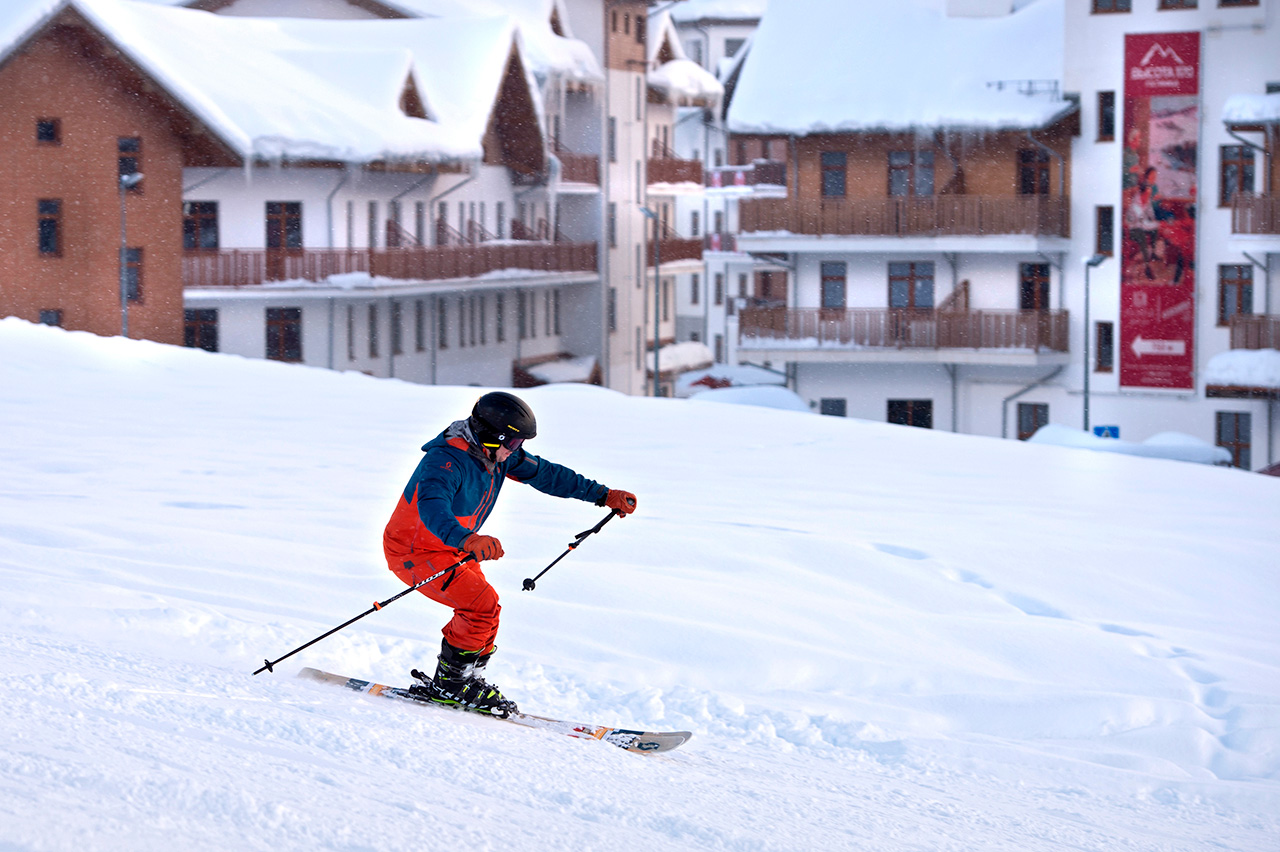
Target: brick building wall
x=69 y=77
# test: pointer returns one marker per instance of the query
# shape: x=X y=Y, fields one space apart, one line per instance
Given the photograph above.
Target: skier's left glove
x=622 y=502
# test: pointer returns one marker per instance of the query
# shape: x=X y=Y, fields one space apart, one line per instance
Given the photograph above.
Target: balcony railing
x=251 y=267
x=903 y=328
x=935 y=216
x=759 y=173
x=1255 y=331
x=672 y=170
x=579 y=168
x=1255 y=214
x=678 y=248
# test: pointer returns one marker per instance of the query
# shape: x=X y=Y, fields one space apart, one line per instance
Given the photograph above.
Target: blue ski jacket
x=454 y=488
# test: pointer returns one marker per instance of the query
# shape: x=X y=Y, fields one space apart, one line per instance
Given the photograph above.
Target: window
x=419 y=325
x=462 y=322
x=48 y=131
x=1235 y=291
x=351 y=332
x=1228 y=3
x=695 y=285
x=49 y=227
x=732 y=46
x=833 y=407
x=555 y=310
x=500 y=317
x=1106 y=116
x=1177 y=4
x=1104 y=230
x=1234 y=431
x=200 y=225
x=719 y=348
x=612 y=309
x=1031 y=416
x=910 y=173
x=373 y=224
x=640 y=29
x=719 y=288
x=284 y=334
x=284 y=224
x=834 y=277
x=522 y=321
x=1033 y=172
x=695 y=224
x=133 y=274
x=200 y=329
x=613 y=139
x=1105 y=348
x=1033 y=286
x=911 y=285
x=442 y=324
x=911 y=412
x=500 y=223
x=833 y=173
x=742 y=284
x=613 y=224
x=397 y=328
x=666 y=299
x=373 y=330
x=1235 y=172
x=1101 y=7
x=129 y=158
x=420 y=222
x=51 y=317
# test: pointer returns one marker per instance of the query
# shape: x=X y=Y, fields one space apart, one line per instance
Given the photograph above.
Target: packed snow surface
x=883 y=638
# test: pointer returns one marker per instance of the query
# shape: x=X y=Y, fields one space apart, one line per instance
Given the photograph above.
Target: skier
x=437 y=521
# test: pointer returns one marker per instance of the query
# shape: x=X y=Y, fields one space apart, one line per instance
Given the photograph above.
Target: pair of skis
x=639 y=741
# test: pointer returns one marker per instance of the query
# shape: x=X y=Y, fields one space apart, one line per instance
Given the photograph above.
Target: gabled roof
x=680 y=79
x=823 y=66
x=302 y=89
x=373 y=7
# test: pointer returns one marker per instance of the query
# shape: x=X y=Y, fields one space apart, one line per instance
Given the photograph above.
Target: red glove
x=622 y=502
x=482 y=546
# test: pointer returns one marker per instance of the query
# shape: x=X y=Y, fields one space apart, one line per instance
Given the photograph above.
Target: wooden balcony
x=1255 y=331
x=673 y=170
x=1255 y=214
x=252 y=267
x=772 y=173
x=579 y=168
x=678 y=248
x=933 y=216
x=900 y=328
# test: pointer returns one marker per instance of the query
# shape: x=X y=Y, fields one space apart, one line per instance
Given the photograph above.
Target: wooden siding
x=252 y=267
x=947 y=215
x=907 y=329
x=1255 y=331
x=1255 y=214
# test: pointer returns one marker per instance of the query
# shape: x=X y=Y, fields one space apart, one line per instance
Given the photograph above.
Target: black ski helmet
x=499 y=418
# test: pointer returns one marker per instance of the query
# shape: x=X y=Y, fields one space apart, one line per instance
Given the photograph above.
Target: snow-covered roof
x=308 y=89
x=1244 y=368
x=822 y=66
x=547 y=53
x=719 y=10
x=679 y=357
x=680 y=79
x=1252 y=109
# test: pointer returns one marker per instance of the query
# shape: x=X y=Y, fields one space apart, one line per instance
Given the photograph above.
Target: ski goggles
x=511 y=444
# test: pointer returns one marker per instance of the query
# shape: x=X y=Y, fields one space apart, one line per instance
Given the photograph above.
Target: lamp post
x=1089 y=264
x=127 y=182
x=657 y=292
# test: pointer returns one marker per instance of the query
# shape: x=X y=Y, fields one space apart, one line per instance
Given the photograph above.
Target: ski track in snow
x=864 y=663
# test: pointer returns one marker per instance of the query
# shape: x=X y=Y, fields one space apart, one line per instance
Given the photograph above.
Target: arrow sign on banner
x=1142 y=347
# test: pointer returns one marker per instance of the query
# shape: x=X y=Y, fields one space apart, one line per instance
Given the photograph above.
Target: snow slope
x=883 y=638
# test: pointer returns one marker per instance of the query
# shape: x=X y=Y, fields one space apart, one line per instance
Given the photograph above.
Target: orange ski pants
x=474 y=601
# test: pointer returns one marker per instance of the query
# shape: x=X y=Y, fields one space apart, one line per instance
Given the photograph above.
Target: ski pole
x=267 y=665
x=531 y=582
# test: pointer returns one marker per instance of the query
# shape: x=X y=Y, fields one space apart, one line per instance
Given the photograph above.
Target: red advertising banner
x=1158 y=238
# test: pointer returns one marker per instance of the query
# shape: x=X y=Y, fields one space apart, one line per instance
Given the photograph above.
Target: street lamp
x=1089 y=264
x=127 y=182
x=657 y=294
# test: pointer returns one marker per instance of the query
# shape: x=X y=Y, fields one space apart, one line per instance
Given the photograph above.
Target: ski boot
x=459 y=682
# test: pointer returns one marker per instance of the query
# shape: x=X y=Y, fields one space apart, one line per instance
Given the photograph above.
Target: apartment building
x=970 y=251
x=1175 y=196
x=432 y=191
